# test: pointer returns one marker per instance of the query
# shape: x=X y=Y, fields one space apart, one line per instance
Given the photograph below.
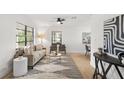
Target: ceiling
x=50 y=19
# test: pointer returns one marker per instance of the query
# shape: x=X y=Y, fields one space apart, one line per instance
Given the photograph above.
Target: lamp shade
x=41 y=35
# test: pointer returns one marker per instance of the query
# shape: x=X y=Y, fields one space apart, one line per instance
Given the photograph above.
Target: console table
x=100 y=59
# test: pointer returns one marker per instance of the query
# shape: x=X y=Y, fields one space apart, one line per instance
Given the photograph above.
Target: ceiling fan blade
x=63 y=19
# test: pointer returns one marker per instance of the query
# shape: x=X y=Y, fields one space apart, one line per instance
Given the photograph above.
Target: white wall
x=7 y=43
x=97 y=23
x=97 y=39
x=8 y=40
x=71 y=36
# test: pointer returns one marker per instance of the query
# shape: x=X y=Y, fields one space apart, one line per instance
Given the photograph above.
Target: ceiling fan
x=60 y=20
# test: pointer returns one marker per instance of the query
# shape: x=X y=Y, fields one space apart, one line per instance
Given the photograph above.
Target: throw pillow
x=19 y=52
x=26 y=50
x=30 y=50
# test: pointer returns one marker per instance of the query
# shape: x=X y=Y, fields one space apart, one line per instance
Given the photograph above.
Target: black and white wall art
x=86 y=37
x=114 y=35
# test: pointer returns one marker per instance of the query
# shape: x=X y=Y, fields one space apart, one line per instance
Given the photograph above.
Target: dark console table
x=100 y=59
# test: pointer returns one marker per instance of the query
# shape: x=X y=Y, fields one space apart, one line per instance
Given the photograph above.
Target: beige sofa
x=34 y=54
x=35 y=57
x=37 y=52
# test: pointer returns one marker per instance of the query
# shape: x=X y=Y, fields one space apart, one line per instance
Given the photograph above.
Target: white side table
x=20 y=66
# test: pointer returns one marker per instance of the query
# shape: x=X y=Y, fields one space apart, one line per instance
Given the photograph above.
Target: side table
x=20 y=66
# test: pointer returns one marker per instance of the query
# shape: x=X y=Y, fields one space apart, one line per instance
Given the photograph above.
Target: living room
x=88 y=58
x=73 y=26
x=69 y=28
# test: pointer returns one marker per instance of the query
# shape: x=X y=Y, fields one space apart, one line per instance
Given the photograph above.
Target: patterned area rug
x=54 y=69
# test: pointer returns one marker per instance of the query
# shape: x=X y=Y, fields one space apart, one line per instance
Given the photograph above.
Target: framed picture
x=86 y=37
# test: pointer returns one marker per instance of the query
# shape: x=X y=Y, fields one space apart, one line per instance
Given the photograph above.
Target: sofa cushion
x=39 y=47
x=34 y=47
x=26 y=51
x=36 y=56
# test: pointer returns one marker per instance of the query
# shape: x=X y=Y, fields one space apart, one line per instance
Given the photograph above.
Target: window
x=56 y=37
x=24 y=35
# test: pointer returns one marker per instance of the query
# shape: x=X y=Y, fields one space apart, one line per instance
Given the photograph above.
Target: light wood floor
x=83 y=64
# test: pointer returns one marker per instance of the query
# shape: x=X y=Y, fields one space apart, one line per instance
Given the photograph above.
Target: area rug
x=54 y=69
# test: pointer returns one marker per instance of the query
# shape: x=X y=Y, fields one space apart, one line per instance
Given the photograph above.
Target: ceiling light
x=58 y=22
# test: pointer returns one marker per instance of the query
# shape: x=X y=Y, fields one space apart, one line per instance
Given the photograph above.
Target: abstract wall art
x=114 y=35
